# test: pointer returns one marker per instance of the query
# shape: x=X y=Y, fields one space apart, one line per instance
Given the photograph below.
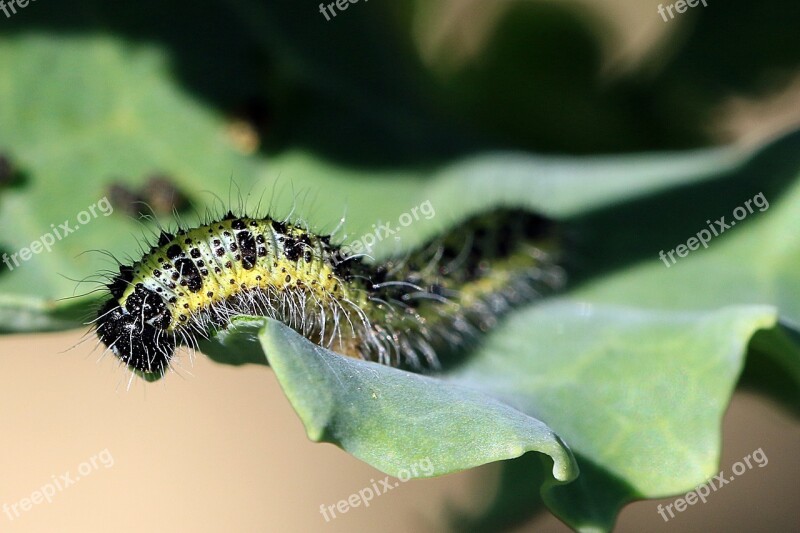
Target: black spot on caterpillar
x=403 y=311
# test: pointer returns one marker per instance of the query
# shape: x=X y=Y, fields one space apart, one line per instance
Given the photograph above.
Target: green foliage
x=619 y=384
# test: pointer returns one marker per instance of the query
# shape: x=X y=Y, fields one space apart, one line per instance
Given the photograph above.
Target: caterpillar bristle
x=404 y=311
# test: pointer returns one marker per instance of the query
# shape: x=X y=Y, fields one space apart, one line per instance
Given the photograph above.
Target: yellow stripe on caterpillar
x=401 y=311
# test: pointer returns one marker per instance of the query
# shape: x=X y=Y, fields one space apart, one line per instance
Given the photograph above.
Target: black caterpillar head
x=136 y=332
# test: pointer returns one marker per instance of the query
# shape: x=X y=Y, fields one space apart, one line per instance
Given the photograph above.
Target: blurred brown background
x=222 y=450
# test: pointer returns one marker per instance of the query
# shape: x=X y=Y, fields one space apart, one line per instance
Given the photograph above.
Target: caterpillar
x=405 y=311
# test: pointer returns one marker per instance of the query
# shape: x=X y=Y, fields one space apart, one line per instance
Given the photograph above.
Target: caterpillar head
x=135 y=332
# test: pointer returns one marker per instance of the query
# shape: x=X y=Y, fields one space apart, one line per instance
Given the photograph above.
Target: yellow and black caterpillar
x=406 y=310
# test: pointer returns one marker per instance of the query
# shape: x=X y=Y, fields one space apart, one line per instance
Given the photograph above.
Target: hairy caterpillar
x=408 y=310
